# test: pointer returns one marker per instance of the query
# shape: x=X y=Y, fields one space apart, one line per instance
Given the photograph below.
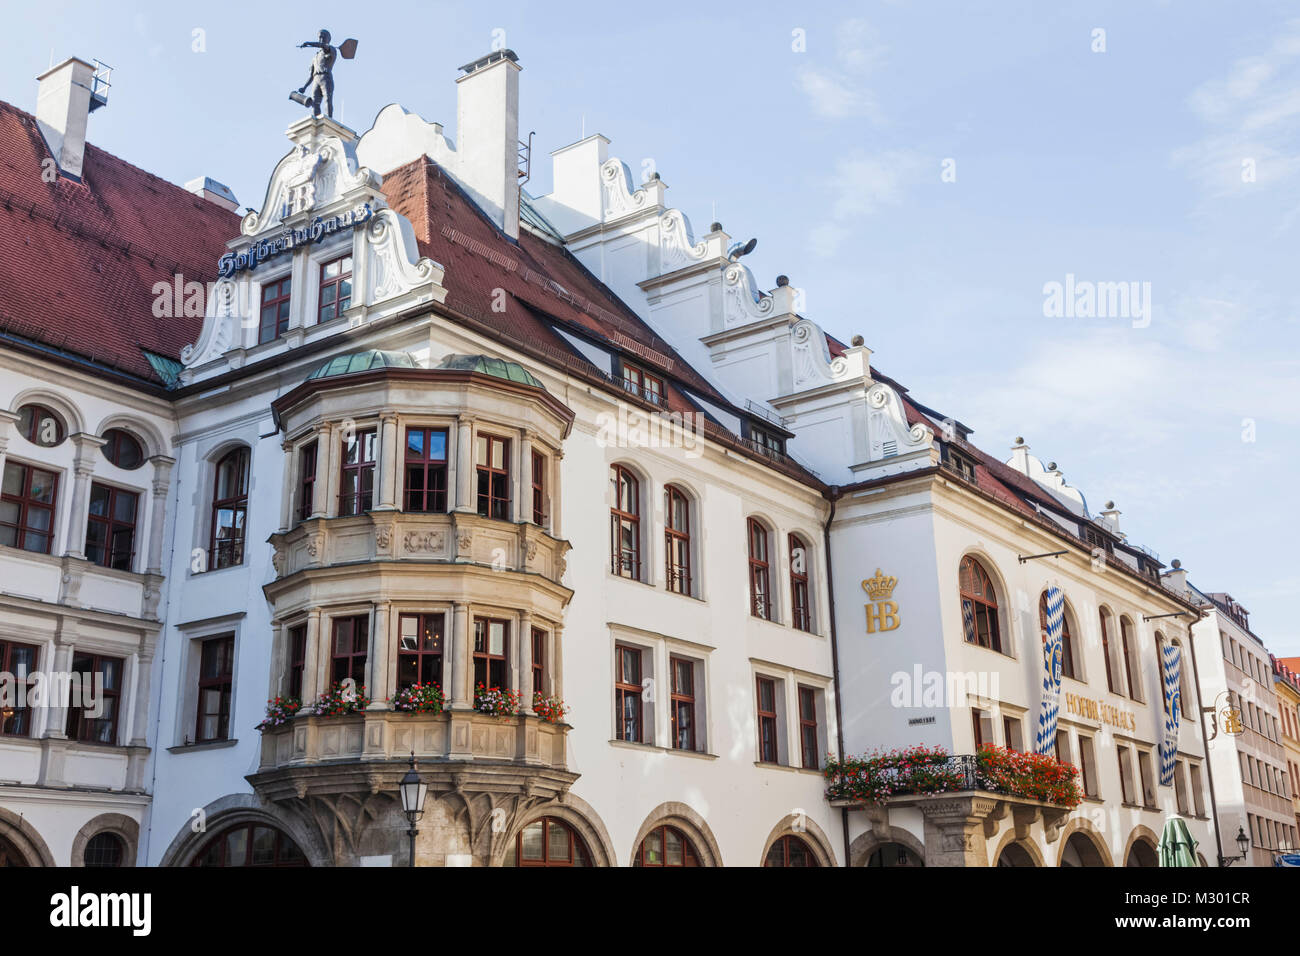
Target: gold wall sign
x=882 y=613
x=1100 y=711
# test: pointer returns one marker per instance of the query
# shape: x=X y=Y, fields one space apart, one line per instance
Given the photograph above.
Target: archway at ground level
x=20 y=844
x=250 y=844
x=893 y=854
x=1142 y=853
x=1079 y=850
x=865 y=846
x=10 y=855
x=1014 y=854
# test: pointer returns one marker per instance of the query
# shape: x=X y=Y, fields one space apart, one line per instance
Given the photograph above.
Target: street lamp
x=413 y=791
x=1243 y=844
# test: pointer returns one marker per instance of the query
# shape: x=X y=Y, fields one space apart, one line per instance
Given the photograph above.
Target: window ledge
x=205 y=745
x=765 y=765
x=633 y=745
x=991 y=650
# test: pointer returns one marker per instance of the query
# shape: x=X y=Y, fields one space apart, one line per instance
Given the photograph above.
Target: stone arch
x=23 y=837
x=149 y=436
x=867 y=843
x=577 y=813
x=237 y=808
x=118 y=824
x=811 y=834
x=1090 y=833
x=1028 y=846
x=1141 y=834
x=689 y=822
x=72 y=419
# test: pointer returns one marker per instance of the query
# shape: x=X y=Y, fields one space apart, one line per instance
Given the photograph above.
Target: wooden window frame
x=1126 y=796
x=433 y=497
x=360 y=625
x=351 y=503
x=114 y=441
x=110 y=556
x=576 y=845
x=682 y=698
x=270 y=331
x=280 y=857
x=984 y=606
x=308 y=455
x=628 y=687
x=489 y=503
x=539 y=488
x=423 y=622
x=33 y=433
x=783 y=844
x=297 y=655
x=760 y=570
x=233 y=546
x=26 y=503
x=1104 y=616
x=1130 y=659
x=769 y=744
x=482 y=626
x=336 y=283
x=538 y=663
x=1086 y=744
x=800 y=597
x=1067 y=639
x=223 y=682
x=809 y=749
x=626 y=563
x=690 y=856
x=677 y=539
x=83 y=729
x=19 y=716
x=643 y=384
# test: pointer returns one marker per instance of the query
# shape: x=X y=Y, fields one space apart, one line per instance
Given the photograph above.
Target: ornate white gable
x=892 y=444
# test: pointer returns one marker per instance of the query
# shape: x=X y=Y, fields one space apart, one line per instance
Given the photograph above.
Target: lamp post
x=413 y=791
x=1243 y=844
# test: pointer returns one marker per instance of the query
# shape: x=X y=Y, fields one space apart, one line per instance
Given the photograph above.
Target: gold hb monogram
x=883 y=614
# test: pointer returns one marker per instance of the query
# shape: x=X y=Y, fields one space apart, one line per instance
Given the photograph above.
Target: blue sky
x=1119 y=165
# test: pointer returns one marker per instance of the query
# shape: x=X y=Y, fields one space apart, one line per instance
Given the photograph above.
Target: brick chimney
x=487 y=136
x=63 y=105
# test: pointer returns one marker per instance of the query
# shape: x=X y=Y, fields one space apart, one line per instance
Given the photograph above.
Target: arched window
x=800 y=608
x=229 y=510
x=666 y=846
x=10 y=855
x=1132 y=666
x=760 y=589
x=103 y=849
x=1106 y=649
x=1067 y=639
x=548 y=842
x=677 y=539
x=625 y=524
x=250 y=844
x=122 y=449
x=790 y=851
x=979 y=605
x=41 y=425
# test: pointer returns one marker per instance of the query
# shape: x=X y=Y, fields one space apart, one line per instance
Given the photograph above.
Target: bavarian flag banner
x=1045 y=739
x=1171 y=663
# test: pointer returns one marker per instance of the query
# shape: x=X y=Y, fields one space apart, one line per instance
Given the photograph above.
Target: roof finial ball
x=1020 y=439
x=1110 y=505
x=782 y=281
x=857 y=341
x=1177 y=565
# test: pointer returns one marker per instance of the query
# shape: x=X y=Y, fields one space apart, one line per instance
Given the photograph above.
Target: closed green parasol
x=1177 y=848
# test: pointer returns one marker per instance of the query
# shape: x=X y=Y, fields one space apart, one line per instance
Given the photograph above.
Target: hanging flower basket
x=550 y=708
x=496 y=701
x=338 y=701
x=279 y=711
x=418 y=699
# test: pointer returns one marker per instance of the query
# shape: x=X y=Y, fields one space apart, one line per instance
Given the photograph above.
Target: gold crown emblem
x=879 y=587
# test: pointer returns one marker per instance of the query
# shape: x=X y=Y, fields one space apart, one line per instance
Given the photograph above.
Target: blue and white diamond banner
x=1170 y=665
x=1045 y=739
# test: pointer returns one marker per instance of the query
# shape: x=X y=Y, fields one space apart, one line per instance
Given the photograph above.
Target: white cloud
x=836 y=87
x=860 y=185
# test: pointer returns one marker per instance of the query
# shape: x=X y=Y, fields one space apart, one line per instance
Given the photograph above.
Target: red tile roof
x=78 y=261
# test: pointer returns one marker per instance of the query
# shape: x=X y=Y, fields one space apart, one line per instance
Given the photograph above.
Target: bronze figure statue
x=321 y=79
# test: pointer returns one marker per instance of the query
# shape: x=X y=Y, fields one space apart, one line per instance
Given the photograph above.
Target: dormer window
x=963 y=466
x=1098 y=540
x=335 y=289
x=642 y=384
x=275 y=309
x=769 y=443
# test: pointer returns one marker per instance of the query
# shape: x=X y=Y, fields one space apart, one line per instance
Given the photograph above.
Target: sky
x=922 y=171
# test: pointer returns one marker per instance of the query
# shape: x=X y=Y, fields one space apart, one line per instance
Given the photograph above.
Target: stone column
x=386 y=491
x=64 y=645
x=524 y=656
x=7 y=421
x=554 y=670
x=140 y=708
x=311 y=674
x=955 y=831
x=524 y=483
x=465 y=496
x=320 y=488
x=553 y=491
x=83 y=466
x=162 y=469
x=330 y=479
x=460 y=657
x=379 y=659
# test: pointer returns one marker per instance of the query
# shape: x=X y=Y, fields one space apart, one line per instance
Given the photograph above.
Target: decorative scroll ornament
x=677 y=245
x=812 y=364
x=219 y=326
x=1170 y=667
x=394 y=269
x=620 y=198
x=888 y=434
x=740 y=303
x=1053 y=643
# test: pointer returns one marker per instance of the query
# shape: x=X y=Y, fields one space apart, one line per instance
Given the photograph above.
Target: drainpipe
x=835 y=655
x=1209 y=763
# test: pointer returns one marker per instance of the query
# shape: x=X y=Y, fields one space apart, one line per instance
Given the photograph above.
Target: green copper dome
x=498 y=368
x=363 y=362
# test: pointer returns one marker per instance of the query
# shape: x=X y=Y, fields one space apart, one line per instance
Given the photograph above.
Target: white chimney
x=63 y=105
x=1111 y=516
x=487 y=136
x=1020 y=456
x=205 y=187
x=1176 y=578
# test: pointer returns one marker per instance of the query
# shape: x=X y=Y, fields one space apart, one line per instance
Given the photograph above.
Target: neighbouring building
x=1286 y=685
x=661 y=544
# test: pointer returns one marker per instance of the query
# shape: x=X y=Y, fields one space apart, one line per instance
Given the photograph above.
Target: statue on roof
x=321 y=79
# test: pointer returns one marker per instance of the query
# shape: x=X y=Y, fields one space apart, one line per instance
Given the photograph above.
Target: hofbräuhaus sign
x=290 y=239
